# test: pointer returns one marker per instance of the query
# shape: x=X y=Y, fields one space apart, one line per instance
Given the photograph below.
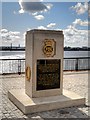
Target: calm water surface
x=22 y=54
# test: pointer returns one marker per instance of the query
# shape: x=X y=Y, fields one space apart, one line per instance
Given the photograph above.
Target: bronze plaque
x=48 y=74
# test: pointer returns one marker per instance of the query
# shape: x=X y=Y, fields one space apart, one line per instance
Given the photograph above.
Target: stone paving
x=74 y=81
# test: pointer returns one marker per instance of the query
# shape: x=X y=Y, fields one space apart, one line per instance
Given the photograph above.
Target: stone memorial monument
x=44 y=74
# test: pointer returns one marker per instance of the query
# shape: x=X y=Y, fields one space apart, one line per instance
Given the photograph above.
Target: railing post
x=76 y=67
x=2 y=67
x=19 y=67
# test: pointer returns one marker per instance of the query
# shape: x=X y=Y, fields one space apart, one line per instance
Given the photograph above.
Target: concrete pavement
x=73 y=81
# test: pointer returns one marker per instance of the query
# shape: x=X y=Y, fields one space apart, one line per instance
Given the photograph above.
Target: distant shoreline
x=24 y=50
x=65 y=49
x=12 y=50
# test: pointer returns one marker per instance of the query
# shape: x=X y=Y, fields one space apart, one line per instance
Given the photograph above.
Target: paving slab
x=73 y=81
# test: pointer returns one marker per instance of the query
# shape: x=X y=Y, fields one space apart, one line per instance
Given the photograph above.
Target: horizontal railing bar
x=63 y=58
x=78 y=58
x=13 y=59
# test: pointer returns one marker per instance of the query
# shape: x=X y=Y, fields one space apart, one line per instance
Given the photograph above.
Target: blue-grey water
x=22 y=54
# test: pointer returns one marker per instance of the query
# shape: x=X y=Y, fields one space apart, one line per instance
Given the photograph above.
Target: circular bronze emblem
x=28 y=73
x=49 y=47
x=48 y=50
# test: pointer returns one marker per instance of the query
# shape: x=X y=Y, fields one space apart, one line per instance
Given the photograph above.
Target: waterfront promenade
x=73 y=81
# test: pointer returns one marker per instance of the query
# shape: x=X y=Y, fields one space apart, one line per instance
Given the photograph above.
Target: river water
x=21 y=54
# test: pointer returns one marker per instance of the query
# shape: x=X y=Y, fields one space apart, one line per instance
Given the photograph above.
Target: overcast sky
x=71 y=17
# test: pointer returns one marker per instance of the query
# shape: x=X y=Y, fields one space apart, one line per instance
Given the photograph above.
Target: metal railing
x=12 y=66
x=18 y=65
x=76 y=64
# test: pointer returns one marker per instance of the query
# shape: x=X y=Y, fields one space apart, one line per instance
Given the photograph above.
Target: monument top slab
x=45 y=31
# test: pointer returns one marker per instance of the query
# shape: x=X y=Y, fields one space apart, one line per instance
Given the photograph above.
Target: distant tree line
x=77 y=48
x=15 y=48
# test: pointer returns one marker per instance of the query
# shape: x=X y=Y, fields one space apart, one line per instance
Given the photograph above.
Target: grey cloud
x=32 y=6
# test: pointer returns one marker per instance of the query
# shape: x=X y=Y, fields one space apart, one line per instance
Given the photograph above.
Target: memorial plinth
x=44 y=57
x=44 y=74
x=31 y=105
